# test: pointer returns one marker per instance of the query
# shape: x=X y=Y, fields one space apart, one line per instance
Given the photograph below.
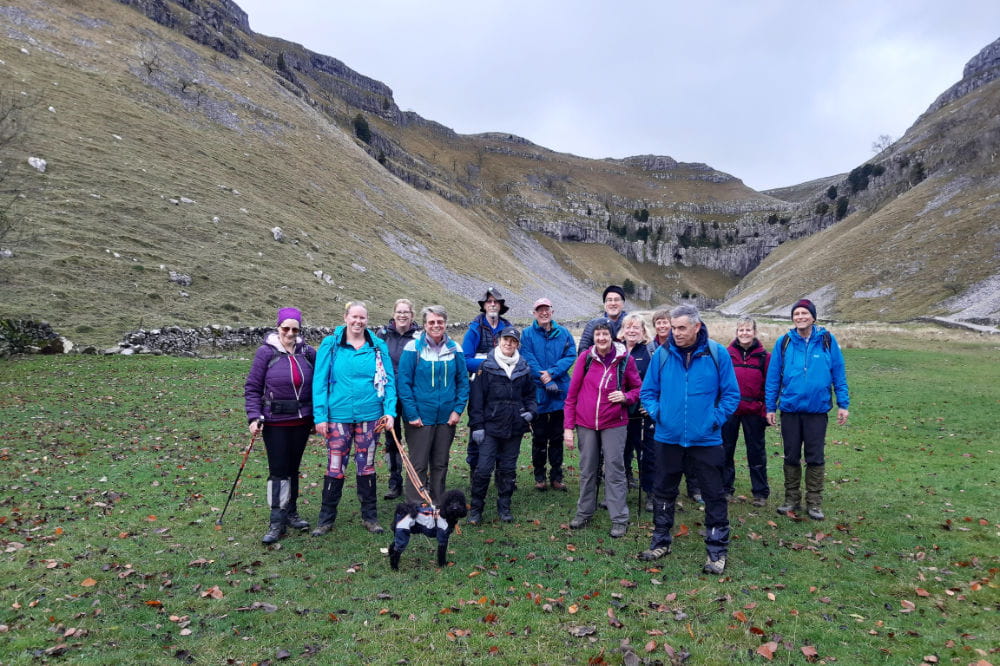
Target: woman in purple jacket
x=605 y=382
x=278 y=395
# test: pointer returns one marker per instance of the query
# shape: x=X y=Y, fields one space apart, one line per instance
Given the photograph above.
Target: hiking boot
x=816 y=513
x=541 y=485
x=322 y=529
x=618 y=530
x=372 y=526
x=759 y=501
x=559 y=485
x=654 y=553
x=393 y=493
x=730 y=498
x=578 y=523
x=297 y=522
x=475 y=517
x=506 y=516
x=788 y=508
x=714 y=567
x=274 y=532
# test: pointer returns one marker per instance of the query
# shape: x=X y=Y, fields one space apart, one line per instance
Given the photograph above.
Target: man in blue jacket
x=805 y=363
x=548 y=349
x=690 y=391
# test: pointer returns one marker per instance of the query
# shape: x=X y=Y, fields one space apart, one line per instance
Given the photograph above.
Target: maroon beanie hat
x=289 y=313
x=807 y=304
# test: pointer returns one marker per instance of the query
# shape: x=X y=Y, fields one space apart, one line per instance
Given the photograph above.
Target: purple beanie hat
x=289 y=313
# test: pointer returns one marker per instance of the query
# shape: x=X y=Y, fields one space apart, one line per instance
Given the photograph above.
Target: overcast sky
x=774 y=92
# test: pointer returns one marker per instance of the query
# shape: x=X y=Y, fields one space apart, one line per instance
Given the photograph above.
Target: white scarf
x=507 y=362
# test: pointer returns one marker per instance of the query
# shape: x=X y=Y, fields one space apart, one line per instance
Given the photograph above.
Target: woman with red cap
x=278 y=398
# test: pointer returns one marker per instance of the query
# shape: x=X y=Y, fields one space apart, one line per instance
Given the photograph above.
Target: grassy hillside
x=922 y=239
x=126 y=147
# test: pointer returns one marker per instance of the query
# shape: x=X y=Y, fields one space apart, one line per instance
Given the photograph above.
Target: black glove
x=552 y=387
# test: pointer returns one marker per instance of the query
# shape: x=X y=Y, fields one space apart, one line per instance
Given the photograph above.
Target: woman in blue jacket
x=433 y=385
x=353 y=388
x=805 y=363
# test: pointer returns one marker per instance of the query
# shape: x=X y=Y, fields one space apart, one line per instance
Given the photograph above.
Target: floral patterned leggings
x=339 y=438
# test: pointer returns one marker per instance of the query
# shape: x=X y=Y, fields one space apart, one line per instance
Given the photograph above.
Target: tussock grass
x=115 y=470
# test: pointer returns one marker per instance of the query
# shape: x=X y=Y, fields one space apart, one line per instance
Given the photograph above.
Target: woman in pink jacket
x=605 y=382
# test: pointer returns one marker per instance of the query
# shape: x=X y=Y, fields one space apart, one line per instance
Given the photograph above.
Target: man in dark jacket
x=614 y=314
x=399 y=331
x=501 y=405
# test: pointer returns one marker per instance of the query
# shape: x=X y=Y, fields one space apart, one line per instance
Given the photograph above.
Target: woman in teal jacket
x=805 y=363
x=353 y=388
x=433 y=387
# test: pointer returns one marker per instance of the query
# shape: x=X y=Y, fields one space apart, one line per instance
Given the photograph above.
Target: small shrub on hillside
x=841 y=208
x=822 y=208
x=831 y=193
x=628 y=286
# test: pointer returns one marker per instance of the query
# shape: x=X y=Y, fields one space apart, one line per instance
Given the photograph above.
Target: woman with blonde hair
x=354 y=388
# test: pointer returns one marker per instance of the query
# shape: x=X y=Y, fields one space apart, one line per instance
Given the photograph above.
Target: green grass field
x=115 y=470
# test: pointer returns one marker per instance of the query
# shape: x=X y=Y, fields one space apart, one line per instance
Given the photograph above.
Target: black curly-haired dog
x=417 y=519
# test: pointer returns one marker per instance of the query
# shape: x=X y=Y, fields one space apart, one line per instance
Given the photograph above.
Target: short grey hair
x=689 y=311
x=434 y=310
x=747 y=320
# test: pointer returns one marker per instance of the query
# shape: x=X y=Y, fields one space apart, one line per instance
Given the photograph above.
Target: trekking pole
x=411 y=472
x=246 y=454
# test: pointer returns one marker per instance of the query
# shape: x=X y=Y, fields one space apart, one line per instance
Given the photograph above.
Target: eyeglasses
x=288 y=329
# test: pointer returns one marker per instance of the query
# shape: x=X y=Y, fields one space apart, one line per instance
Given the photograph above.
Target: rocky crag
x=666 y=213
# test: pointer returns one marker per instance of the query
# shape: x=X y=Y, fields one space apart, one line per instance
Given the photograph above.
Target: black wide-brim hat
x=495 y=293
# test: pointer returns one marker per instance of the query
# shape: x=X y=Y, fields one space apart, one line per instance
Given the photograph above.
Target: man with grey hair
x=689 y=391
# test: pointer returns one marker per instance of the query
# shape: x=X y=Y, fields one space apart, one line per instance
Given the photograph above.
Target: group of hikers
x=673 y=400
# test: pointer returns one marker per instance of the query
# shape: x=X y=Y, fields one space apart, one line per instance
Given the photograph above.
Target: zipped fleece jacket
x=344 y=386
x=496 y=401
x=587 y=402
x=432 y=384
x=690 y=395
x=805 y=371
x=554 y=352
x=268 y=381
x=751 y=369
x=396 y=340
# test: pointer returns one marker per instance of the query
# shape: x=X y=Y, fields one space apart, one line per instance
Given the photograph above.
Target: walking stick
x=246 y=454
x=411 y=472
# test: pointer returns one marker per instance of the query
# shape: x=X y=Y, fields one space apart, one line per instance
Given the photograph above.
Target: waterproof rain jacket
x=554 y=352
x=587 y=402
x=432 y=383
x=690 y=395
x=800 y=376
x=480 y=340
x=347 y=382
